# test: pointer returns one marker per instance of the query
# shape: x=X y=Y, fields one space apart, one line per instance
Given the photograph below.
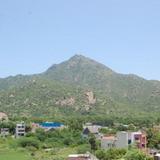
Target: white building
x=20 y=129
x=122 y=140
x=4 y=132
x=157 y=156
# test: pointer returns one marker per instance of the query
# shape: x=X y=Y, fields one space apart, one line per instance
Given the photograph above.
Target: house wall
x=139 y=139
x=157 y=157
x=20 y=129
x=122 y=140
x=107 y=143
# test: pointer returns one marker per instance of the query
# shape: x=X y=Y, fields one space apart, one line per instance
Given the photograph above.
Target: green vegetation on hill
x=80 y=86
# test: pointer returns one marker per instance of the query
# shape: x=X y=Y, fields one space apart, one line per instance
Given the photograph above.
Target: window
x=143 y=145
x=129 y=141
x=136 y=138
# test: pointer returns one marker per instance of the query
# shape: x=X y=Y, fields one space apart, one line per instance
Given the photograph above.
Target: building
x=157 y=156
x=124 y=139
x=91 y=129
x=156 y=127
x=34 y=127
x=3 y=117
x=51 y=125
x=86 y=133
x=87 y=156
x=139 y=139
x=47 y=126
x=4 y=132
x=79 y=157
x=20 y=130
x=108 y=142
x=152 y=151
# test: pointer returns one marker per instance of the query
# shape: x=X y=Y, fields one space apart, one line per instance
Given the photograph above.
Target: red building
x=139 y=139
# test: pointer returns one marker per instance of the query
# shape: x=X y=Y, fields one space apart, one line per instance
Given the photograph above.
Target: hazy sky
x=122 y=34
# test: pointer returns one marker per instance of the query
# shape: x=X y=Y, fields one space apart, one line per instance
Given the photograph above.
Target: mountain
x=80 y=71
x=79 y=86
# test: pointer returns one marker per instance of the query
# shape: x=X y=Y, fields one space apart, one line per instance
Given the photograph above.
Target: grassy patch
x=13 y=155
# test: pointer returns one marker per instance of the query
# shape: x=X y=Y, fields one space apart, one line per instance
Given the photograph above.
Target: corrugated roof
x=51 y=124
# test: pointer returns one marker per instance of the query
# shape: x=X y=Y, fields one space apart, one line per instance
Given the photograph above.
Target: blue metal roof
x=51 y=124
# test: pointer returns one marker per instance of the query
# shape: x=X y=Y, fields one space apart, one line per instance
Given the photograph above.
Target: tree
x=92 y=141
x=40 y=134
x=114 y=154
x=29 y=142
x=9 y=125
x=75 y=124
x=153 y=137
x=136 y=155
x=111 y=154
x=100 y=154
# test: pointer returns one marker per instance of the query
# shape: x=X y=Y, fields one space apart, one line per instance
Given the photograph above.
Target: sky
x=122 y=34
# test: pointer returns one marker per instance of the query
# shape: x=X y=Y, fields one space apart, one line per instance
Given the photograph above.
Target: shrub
x=28 y=142
x=83 y=149
x=100 y=154
x=136 y=155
